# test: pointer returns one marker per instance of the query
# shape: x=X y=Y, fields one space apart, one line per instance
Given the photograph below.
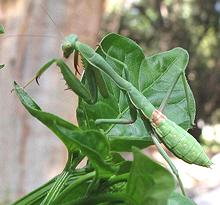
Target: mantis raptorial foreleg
x=93 y=76
x=72 y=82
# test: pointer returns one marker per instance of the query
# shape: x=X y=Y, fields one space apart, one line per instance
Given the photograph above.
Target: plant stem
x=80 y=180
x=56 y=188
x=74 y=158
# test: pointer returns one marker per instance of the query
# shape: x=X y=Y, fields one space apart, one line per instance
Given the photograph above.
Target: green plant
x=135 y=85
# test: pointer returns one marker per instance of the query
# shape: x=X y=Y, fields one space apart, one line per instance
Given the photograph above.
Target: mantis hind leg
x=168 y=160
x=164 y=155
x=165 y=99
x=185 y=85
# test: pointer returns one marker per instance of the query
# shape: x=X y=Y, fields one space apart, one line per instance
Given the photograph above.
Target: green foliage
x=108 y=178
x=149 y=182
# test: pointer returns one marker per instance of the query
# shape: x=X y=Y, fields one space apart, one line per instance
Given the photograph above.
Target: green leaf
x=2 y=66
x=48 y=119
x=149 y=183
x=94 y=145
x=178 y=199
x=91 y=142
x=2 y=29
x=153 y=76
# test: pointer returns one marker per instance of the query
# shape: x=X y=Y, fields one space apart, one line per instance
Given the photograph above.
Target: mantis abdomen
x=179 y=141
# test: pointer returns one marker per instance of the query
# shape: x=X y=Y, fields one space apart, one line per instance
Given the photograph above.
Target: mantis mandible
x=175 y=138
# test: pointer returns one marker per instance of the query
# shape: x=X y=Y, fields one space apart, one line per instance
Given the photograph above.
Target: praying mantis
x=175 y=138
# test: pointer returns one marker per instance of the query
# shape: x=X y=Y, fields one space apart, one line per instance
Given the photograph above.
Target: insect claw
x=76 y=70
x=36 y=79
x=76 y=65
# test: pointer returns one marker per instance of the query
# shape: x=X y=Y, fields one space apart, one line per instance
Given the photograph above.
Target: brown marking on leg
x=76 y=55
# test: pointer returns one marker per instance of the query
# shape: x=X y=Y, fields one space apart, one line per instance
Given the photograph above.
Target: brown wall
x=29 y=153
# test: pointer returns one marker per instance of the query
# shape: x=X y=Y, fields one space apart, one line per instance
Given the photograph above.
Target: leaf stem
x=56 y=188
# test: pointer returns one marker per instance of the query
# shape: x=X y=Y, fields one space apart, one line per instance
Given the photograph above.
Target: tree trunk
x=29 y=153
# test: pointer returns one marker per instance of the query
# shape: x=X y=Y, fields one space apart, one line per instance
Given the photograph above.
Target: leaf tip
x=2 y=30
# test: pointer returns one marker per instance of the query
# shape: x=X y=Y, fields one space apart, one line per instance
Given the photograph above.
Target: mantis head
x=68 y=45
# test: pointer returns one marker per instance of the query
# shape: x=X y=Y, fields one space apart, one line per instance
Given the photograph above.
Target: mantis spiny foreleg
x=93 y=76
x=72 y=81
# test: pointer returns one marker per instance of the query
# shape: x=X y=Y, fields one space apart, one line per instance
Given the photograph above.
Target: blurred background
x=29 y=153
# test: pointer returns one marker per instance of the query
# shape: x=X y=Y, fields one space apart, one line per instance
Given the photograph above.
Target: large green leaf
x=149 y=183
x=50 y=120
x=153 y=76
x=91 y=143
x=94 y=145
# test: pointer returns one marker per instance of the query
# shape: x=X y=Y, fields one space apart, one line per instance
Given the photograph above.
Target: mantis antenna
x=54 y=23
x=61 y=36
